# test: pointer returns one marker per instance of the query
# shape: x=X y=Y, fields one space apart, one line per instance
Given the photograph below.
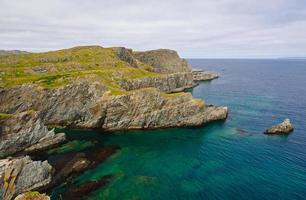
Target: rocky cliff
x=108 y=88
x=88 y=104
x=25 y=132
x=163 y=61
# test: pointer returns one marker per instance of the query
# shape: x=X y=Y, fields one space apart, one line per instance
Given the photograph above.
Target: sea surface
x=229 y=160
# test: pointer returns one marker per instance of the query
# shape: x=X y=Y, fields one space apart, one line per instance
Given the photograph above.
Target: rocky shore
x=115 y=89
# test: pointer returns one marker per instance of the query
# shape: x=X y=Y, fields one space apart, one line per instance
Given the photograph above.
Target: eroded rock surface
x=283 y=128
x=89 y=105
x=25 y=131
x=19 y=175
x=164 y=61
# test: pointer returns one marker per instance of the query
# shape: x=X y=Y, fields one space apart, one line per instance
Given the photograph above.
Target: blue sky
x=195 y=28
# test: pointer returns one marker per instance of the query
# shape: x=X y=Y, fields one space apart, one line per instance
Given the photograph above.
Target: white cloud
x=211 y=28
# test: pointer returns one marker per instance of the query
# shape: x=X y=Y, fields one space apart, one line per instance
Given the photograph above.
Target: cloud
x=211 y=28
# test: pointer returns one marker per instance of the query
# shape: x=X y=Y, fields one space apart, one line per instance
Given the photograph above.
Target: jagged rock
x=21 y=175
x=283 y=128
x=89 y=105
x=200 y=75
x=32 y=196
x=25 y=131
x=167 y=83
x=163 y=61
x=126 y=55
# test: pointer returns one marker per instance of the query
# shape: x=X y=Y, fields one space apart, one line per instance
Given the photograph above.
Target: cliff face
x=163 y=61
x=86 y=104
x=25 y=132
x=167 y=83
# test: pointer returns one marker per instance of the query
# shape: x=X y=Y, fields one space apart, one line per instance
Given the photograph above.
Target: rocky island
x=86 y=87
x=283 y=128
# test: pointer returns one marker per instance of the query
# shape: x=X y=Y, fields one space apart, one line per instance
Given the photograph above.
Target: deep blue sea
x=230 y=160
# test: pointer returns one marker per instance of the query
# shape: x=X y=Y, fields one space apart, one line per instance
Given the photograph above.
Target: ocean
x=223 y=160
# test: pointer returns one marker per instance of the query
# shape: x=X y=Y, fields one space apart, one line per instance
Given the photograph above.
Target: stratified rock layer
x=283 y=128
x=88 y=104
x=21 y=175
x=25 y=131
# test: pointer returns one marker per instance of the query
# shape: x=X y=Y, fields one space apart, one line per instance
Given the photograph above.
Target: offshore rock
x=283 y=128
x=200 y=75
x=21 y=175
x=26 y=132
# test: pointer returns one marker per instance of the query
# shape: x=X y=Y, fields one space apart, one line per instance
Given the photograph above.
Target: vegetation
x=58 y=68
x=3 y=115
x=33 y=196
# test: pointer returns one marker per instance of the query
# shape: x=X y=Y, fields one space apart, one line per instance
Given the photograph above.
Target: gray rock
x=89 y=105
x=167 y=83
x=25 y=131
x=283 y=128
x=21 y=175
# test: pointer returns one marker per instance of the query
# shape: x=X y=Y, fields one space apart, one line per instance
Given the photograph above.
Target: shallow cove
x=231 y=160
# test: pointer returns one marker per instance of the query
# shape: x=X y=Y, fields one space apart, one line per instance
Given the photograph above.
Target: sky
x=195 y=28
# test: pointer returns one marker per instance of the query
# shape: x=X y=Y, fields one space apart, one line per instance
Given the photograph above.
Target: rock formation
x=115 y=90
x=25 y=132
x=163 y=61
x=200 y=75
x=283 y=128
x=19 y=175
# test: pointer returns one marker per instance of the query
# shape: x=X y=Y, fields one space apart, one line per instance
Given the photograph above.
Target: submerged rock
x=283 y=128
x=21 y=175
x=200 y=75
x=69 y=165
x=26 y=132
x=87 y=188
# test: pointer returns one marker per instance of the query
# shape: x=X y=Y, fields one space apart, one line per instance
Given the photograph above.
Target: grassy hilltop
x=57 y=68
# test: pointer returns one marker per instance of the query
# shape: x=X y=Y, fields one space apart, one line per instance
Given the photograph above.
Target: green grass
x=58 y=68
x=4 y=116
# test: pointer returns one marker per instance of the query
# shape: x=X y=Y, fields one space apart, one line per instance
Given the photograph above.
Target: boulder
x=283 y=128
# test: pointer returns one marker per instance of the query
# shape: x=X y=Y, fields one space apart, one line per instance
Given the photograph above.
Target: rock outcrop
x=283 y=128
x=163 y=61
x=88 y=105
x=200 y=75
x=175 y=82
x=19 y=175
x=26 y=132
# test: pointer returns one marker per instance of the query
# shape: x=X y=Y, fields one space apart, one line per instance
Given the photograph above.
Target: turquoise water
x=231 y=160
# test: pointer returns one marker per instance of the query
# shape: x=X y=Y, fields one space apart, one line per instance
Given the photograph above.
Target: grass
x=4 y=116
x=33 y=195
x=58 y=68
